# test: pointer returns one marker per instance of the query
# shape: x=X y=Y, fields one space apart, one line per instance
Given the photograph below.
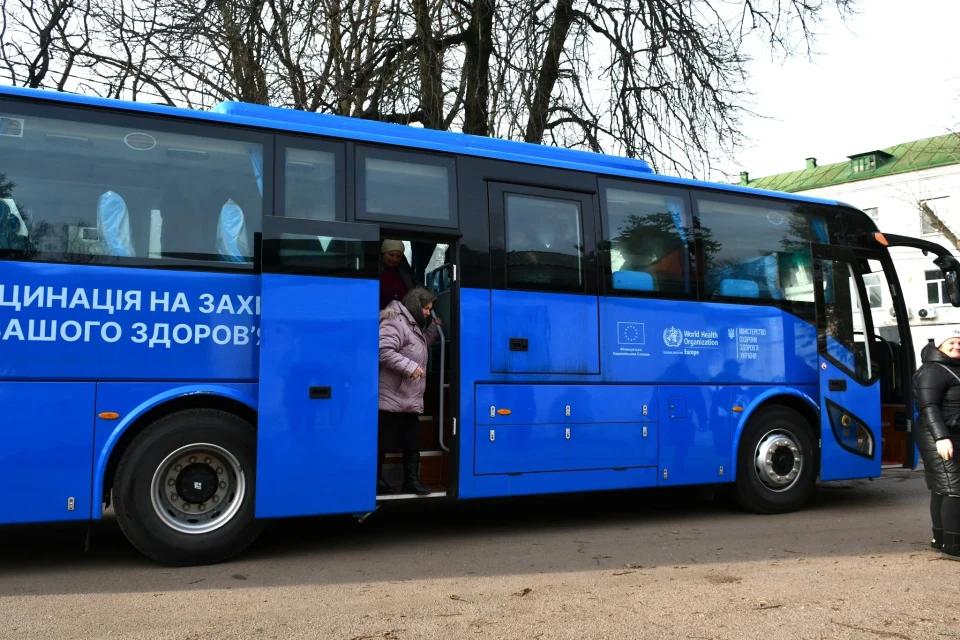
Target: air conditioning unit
x=893 y=312
x=927 y=313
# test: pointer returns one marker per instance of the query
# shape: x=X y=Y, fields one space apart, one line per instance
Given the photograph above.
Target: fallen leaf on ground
x=523 y=592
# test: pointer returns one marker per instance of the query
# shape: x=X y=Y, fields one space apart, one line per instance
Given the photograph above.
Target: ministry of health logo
x=672 y=337
x=731 y=333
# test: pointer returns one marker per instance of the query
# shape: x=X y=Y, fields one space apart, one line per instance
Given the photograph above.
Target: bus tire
x=184 y=488
x=776 y=462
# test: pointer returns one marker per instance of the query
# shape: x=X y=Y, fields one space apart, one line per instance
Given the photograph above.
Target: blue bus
x=189 y=322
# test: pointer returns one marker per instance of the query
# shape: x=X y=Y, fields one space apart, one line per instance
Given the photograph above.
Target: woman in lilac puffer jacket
x=406 y=333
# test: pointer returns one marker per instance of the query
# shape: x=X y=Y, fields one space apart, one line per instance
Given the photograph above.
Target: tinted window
x=647 y=238
x=322 y=254
x=844 y=322
x=312 y=185
x=544 y=243
x=758 y=250
x=416 y=187
x=81 y=191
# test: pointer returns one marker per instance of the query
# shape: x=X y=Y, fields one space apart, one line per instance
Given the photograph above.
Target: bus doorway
x=893 y=353
x=432 y=264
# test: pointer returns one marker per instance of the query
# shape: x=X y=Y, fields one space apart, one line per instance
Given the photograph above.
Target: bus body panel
x=47 y=452
x=64 y=322
x=317 y=439
x=842 y=414
x=680 y=342
x=694 y=435
x=560 y=331
x=549 y=403
x=131 y=400
x=695 y=439
x=535 y=448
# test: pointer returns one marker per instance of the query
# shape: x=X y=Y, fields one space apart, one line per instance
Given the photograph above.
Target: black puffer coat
x=937 y=393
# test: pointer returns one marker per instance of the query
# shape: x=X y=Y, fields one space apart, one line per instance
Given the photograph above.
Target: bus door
x=317 y=433
x=847 y=364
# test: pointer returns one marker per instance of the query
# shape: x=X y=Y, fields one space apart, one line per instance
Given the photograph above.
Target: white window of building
x=874 y=290
x=937 y=206
x=936 y=287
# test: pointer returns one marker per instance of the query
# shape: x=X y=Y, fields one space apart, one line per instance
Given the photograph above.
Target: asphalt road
x=854 y=564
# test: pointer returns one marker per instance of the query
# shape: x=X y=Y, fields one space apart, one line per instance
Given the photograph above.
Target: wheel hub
x=197 y=483
x=778 y=460
x=198 y=488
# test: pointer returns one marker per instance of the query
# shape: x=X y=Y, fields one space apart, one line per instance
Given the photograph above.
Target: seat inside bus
x=13 y=230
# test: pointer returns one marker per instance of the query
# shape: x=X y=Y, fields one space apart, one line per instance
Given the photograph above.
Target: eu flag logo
x=631 y=333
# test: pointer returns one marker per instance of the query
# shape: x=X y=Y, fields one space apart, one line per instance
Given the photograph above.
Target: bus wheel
x=184 y=488
x=776 y=462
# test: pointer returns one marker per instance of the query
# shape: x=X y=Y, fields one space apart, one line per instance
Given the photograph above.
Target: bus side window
x=132 y=189
x=756 y=250
x=544 y=243
x=647 y=236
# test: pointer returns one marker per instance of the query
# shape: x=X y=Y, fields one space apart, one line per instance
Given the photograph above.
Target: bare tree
x=665 y=80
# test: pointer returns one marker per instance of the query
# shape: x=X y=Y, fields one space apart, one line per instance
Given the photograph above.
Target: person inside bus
x=396 y=275
x=406 y=333
x=937 y=393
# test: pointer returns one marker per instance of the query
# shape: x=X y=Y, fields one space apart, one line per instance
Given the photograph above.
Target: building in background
x=910 y=189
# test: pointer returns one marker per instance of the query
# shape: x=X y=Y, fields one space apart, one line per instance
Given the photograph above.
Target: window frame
x=606 y=264
x=323 y=145
x=361 y=152
x=176 y=125
x=496 y=197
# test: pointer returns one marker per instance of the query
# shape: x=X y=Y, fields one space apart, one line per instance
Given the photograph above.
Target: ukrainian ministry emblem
x=731 y=332
x=672 y=337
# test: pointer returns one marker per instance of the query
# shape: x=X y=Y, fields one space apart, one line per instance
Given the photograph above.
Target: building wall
x=896 y=199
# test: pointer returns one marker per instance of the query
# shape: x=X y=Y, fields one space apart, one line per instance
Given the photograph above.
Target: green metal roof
x=902 y=158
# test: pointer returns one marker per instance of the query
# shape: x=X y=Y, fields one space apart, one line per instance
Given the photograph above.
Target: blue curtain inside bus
x=256 y=159
x=113 y=226
x=232 y=242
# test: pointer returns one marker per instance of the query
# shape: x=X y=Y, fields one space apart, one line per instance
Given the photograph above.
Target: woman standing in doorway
x=937 y=394
x=396 y=277
x=406 y=333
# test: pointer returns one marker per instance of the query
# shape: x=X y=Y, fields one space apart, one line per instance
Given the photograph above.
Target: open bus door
x=849 y=377
x=317 y=433
x=950 y=267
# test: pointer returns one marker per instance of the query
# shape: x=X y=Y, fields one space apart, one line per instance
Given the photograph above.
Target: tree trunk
x=431 y=81
x=479 y=48
x=549 y=71
x=940 y=226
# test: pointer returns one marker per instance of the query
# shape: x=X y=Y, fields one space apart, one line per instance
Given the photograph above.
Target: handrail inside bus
x=443 y=356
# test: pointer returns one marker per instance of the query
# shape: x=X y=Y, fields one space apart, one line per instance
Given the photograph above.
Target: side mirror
x=951 y=273
x=953 y=287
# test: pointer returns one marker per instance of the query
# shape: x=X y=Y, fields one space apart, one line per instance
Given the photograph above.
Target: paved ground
x=855 y=564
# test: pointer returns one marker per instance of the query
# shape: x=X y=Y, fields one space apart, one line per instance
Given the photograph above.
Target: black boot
x=411 y=474
x=937 y=542
x=382 y=486
x=951 y=545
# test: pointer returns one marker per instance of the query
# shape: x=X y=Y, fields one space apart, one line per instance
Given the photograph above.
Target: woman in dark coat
x=937 y=394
